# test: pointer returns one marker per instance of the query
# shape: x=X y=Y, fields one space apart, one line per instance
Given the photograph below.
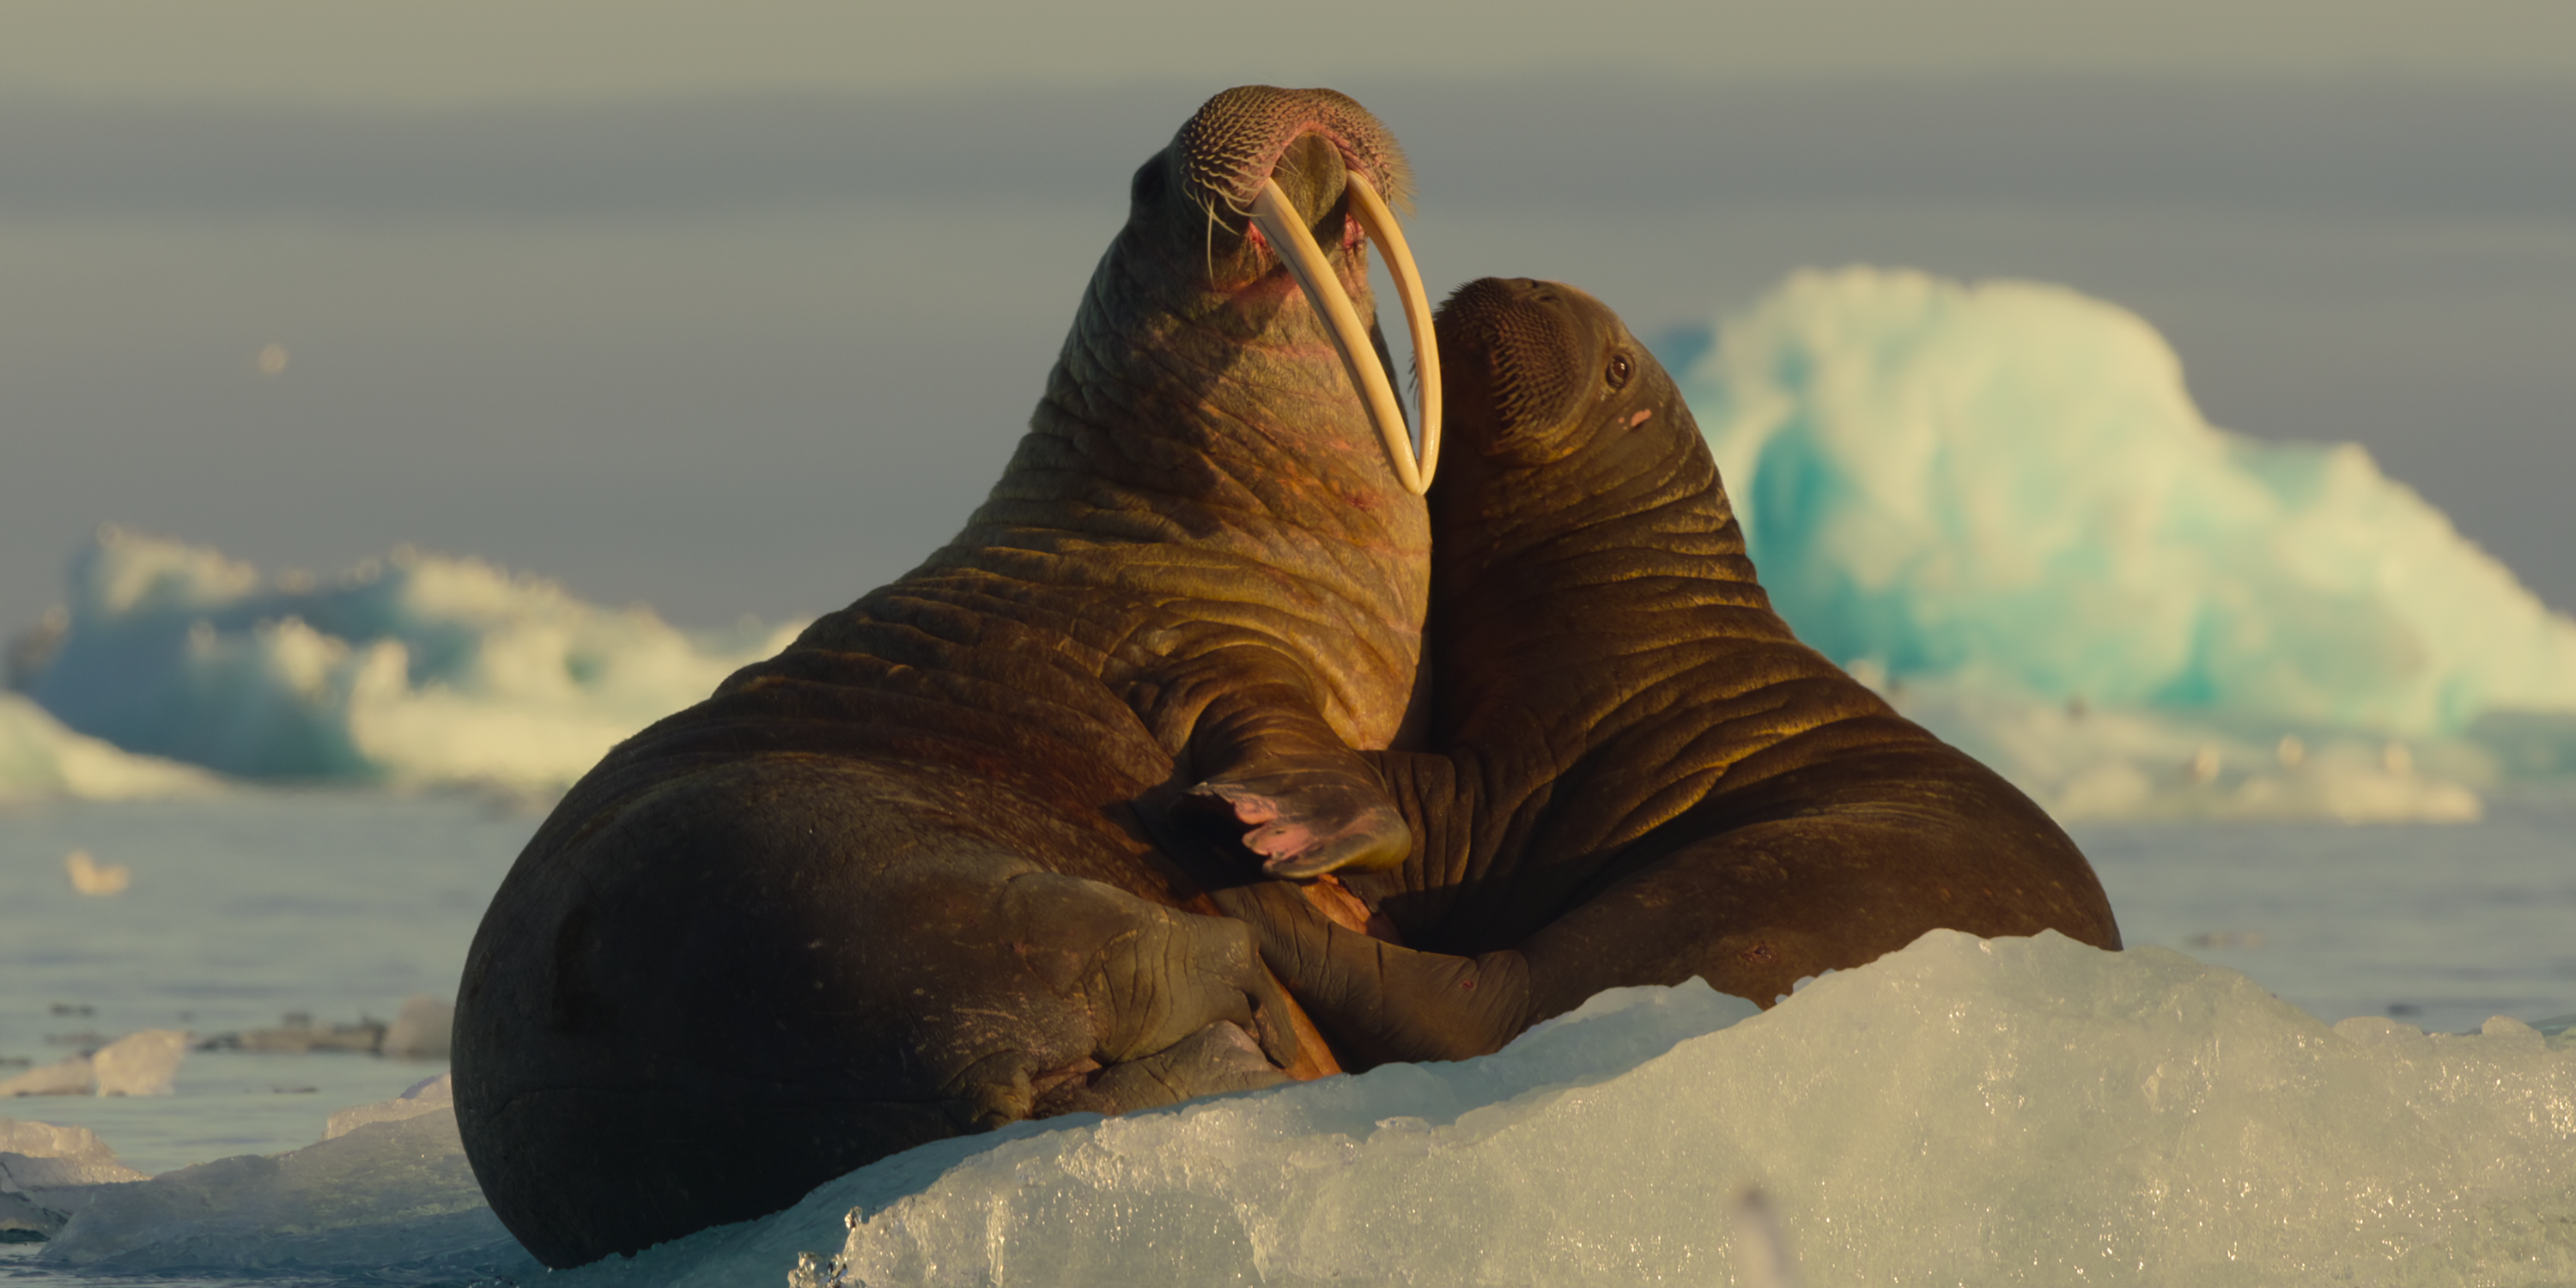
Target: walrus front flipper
x=1263 y=748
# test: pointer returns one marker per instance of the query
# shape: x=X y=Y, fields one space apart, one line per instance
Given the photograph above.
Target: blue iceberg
x=410 y=669
x=1999 y=498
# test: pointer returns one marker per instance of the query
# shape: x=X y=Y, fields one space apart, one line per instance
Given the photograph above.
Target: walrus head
x=1574 y=464
x=1265 y=196
x=1220 y=392
x=1562 y=419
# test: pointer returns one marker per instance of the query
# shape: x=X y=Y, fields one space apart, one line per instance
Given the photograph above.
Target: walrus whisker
x=1278 y=221
x=1381 y=225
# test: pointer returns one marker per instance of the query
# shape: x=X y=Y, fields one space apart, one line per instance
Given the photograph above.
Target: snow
x=413 y=668
x=2003 y=491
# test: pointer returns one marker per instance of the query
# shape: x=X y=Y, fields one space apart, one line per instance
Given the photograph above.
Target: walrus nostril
x=1234 y=143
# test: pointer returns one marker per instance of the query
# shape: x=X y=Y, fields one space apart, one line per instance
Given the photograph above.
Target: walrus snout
x=1267 y=168
x=1523 y=358
x=1237 y=140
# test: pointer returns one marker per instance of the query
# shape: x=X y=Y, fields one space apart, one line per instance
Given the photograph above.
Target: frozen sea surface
x=341 y=904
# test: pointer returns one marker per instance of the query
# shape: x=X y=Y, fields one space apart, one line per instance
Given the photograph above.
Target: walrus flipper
x=1377 y=1001
x=1264 y=749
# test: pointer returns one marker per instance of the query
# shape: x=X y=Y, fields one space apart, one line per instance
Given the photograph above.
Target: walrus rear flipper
x=1377 y=1001
x=1216 y=1059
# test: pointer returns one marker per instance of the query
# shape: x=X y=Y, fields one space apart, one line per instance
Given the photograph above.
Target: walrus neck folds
x=1200 y=403
x=1563 y=483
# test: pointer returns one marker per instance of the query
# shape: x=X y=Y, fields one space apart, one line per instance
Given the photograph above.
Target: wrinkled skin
x=1644 y=776
x=892 y=885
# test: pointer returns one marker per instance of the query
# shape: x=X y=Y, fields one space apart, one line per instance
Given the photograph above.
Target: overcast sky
x=737 y=309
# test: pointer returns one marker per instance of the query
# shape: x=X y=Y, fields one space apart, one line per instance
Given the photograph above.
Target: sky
x=737 y=310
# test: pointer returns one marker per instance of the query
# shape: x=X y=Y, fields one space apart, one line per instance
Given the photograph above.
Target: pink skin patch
x=1641 y=418
x=1280 y=841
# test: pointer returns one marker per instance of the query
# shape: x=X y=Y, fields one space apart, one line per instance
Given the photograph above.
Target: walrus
x=1636 y=773
x=894 y=884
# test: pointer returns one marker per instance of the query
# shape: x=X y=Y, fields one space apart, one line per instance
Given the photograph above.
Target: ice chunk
x=41 y=1156
x=385 y=1196
x=420 y=1032
x=2005 y=1111
x=421 y=1097
x=414 y=667
x=142 y=1063
x=41 y=759
x=22 y=1220
x=48 y=1173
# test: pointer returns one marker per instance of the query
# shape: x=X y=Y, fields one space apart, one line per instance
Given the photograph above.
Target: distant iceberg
x=416 y=668
x=2003 y=492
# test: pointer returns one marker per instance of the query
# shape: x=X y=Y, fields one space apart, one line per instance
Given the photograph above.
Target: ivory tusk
x=1389 y=235
x=1278 y=221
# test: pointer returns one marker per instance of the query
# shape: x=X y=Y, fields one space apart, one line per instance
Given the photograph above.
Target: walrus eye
x=1620 y=369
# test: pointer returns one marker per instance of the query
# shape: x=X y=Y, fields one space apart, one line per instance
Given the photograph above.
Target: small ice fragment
x=89 y=876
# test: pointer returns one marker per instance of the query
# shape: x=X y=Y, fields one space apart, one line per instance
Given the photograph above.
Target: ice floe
x=1979 y=1111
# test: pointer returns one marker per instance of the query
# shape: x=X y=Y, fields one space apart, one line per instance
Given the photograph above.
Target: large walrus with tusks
x=1641 y=774
x=893 y=884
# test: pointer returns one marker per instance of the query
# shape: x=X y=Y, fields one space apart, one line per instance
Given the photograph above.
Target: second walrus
x=1643 y=776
